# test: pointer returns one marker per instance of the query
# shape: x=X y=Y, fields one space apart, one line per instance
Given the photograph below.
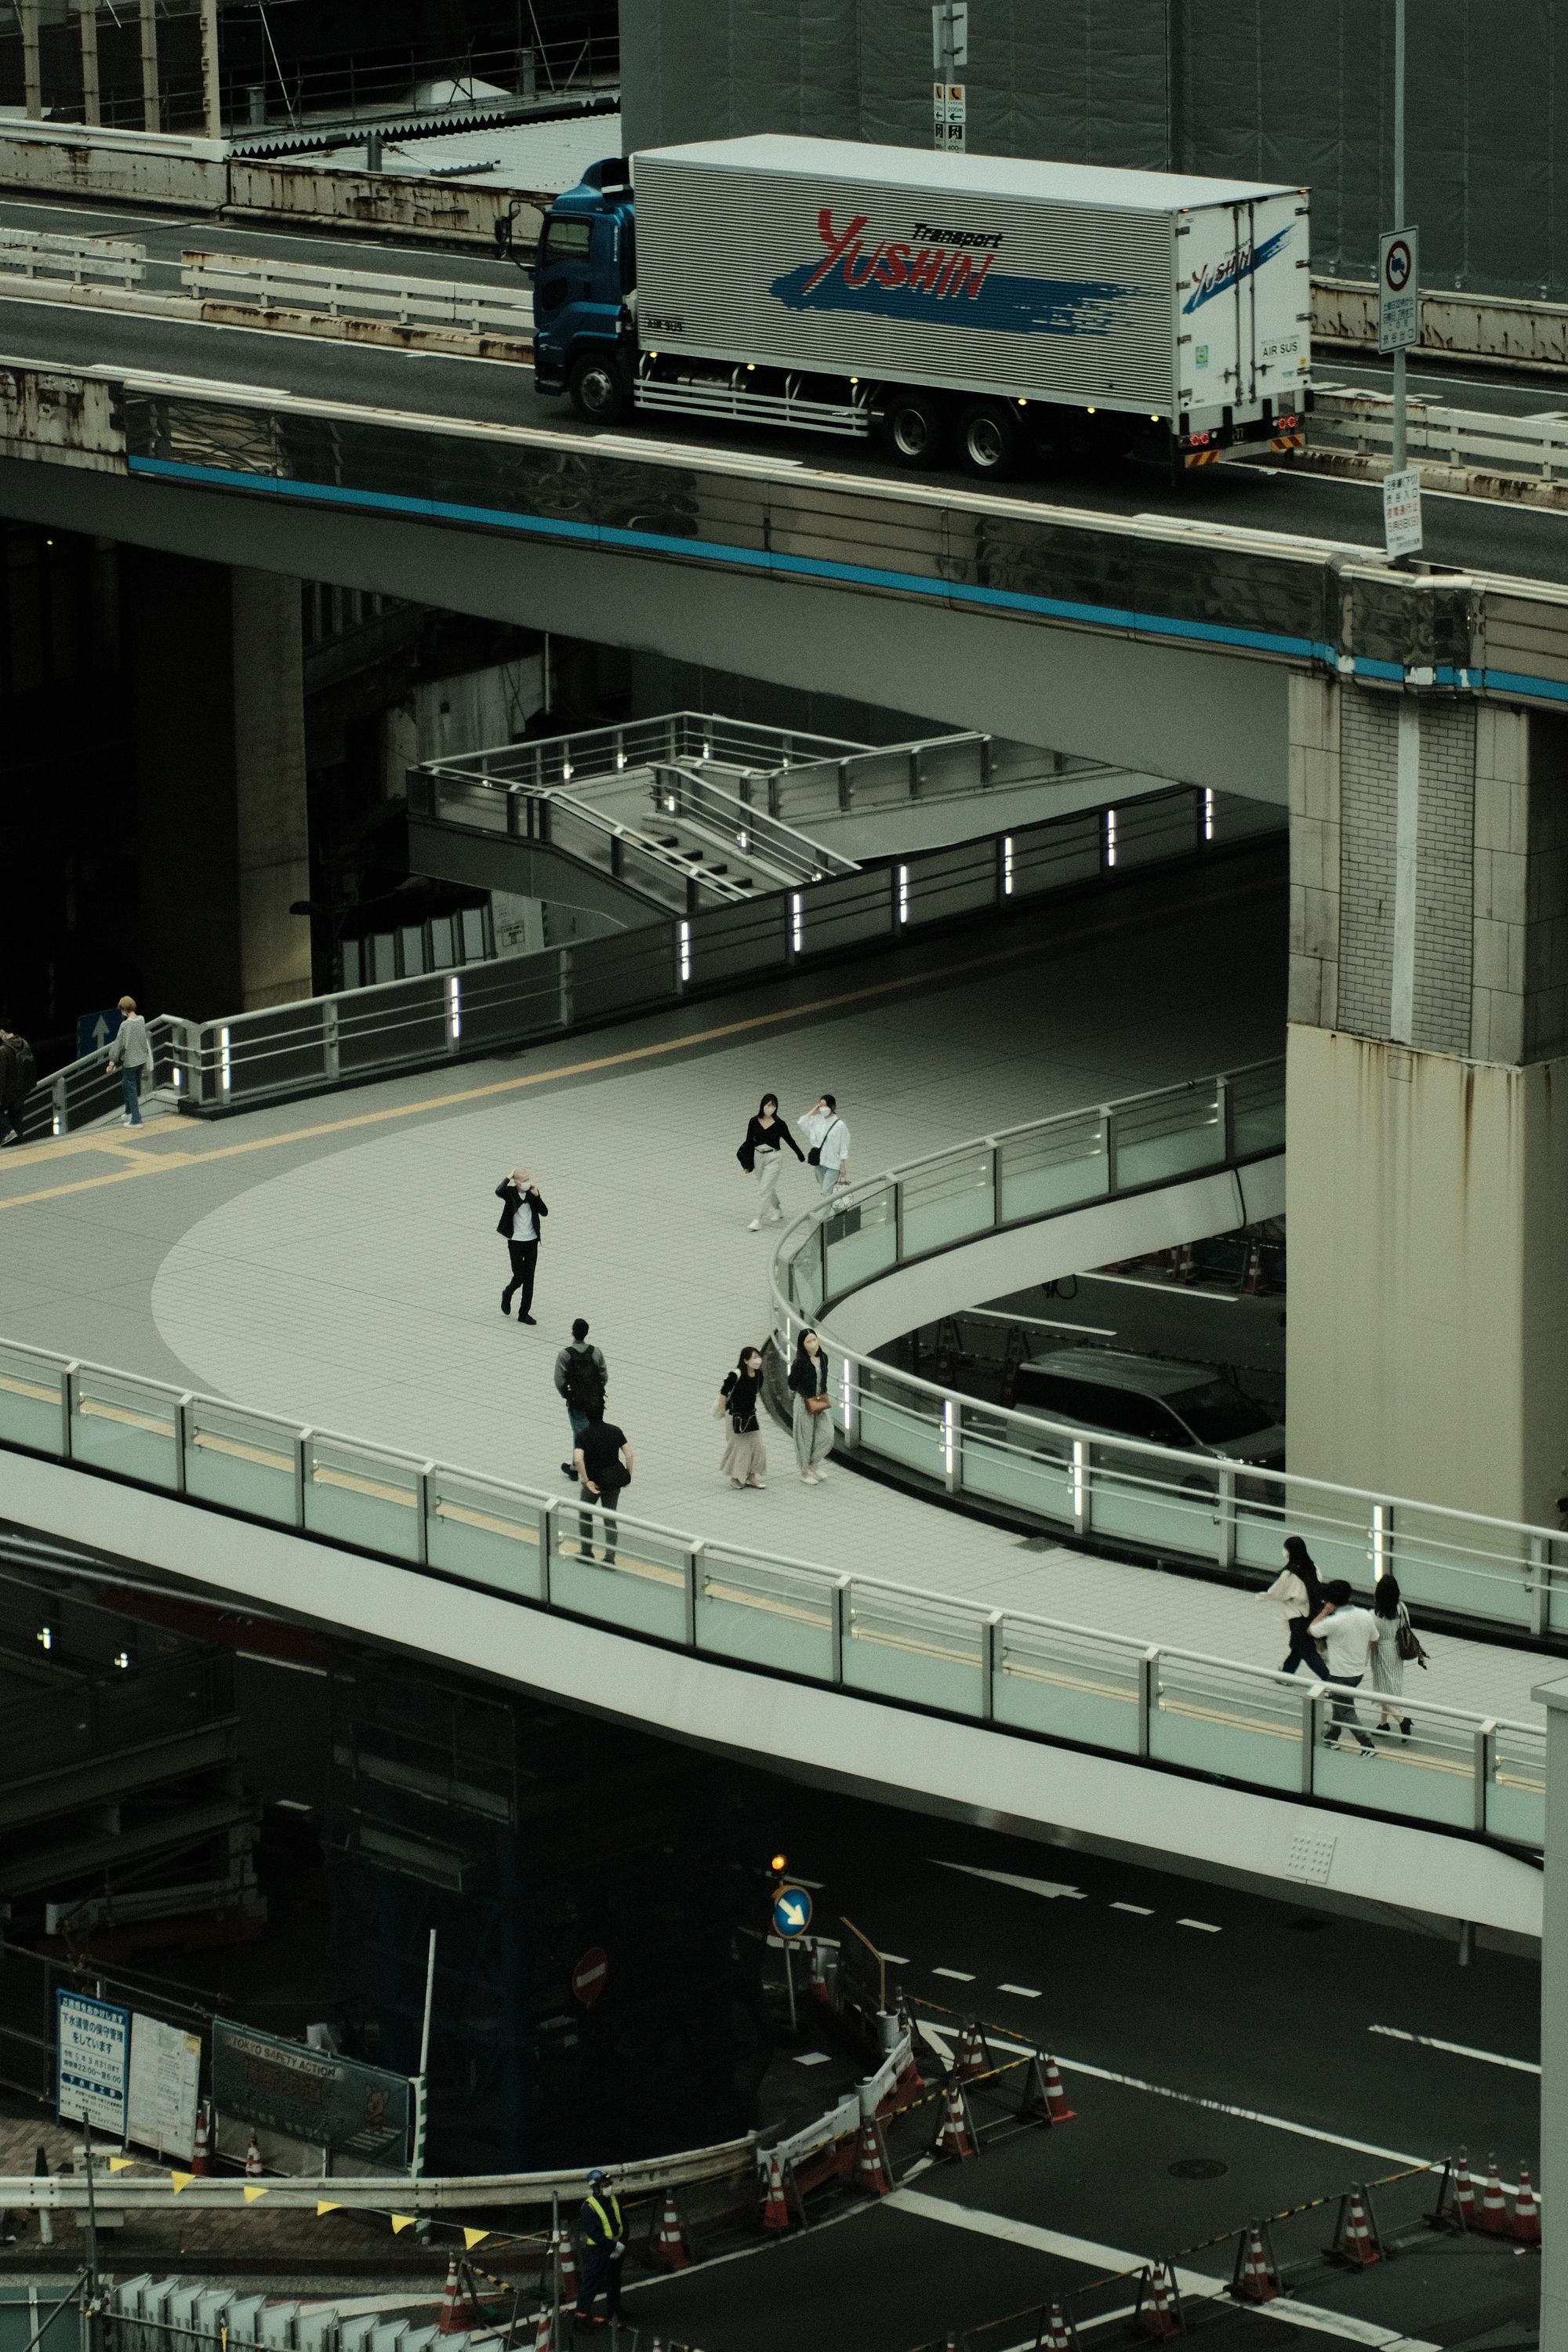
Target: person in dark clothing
x=603 y=1462
x=812 y=1410
x=522 y=1215
x=1300 y=1593
x=744 y=1460
x=582 y=1376
x=13 y=1085
x=761 y=1154
x=602 y=2228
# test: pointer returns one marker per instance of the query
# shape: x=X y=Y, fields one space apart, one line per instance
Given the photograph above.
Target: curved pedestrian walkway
x=339 y=1264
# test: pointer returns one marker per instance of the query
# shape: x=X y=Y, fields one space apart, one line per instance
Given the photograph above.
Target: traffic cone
x=1058 y=2337
x=956 y=2137
x=1154 y=2315
x=200 y=2159
x=819 y=1986
x=253 y=2160
x=1056 y=2105
x=973 y=2058
x=1494 y=2212
x=775 y=2204
x=871 y=2173
x=450 y=2322
x=670 y=2250
x=565 y=2255
x=544 y=2334
x=1253 y=2281
x=1357 y=2246
x=1464 y=2193
x=1526 y=2212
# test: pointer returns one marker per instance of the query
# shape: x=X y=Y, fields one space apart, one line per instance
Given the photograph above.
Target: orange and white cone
x=1526 y=2212
x=1058 y=2335
x=956 y=2138
x=670 y=2250
x=871 y=2174
x=253 y=2160
x=973 y=2057
x=1056 y=2105
x=450 y=2322
x=1464 y=2193
x=819 y=1991
x=566 y=2254
x=1357 y=2245
x=200 y=2159
x=775 y=2204
x=1154 y=2316
x=1494 y=2211
x=544 y=2334
x=1255 y=2282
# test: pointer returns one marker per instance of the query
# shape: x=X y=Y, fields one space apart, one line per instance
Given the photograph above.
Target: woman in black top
x=763 y=1153
x=812 y=1408
x=745 y=1459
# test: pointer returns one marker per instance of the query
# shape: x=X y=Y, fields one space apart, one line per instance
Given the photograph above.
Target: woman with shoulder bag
x=1398 y=1646
x=762 y=1153
x=813 y=1415
x=746 y=1458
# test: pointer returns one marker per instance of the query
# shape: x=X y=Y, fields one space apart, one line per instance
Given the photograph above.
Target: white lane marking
x=958 y=1975
x=1199 y=2284
x=1024 y=1992
x=1207 y=1925
x=1051 y=1888
x=948 y=2034
x=897 y=1959
x=811 y=2058
x=1457 y=2049
x=1139 y=1910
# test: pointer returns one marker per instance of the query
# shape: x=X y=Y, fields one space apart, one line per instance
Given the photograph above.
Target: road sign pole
x=789 y=1982
x=1399 y=388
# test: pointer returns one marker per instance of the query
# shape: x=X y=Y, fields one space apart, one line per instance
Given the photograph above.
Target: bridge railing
x=1007 y=1669
x=1130 y=1495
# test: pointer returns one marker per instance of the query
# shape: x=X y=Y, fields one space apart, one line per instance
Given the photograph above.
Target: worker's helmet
x=597 y=2180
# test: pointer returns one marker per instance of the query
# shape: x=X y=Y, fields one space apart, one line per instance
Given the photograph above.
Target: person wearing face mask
x=745 y=1460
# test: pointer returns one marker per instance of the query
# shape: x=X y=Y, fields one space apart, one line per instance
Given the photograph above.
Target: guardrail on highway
x=321 y=1042
x=244 y=285
x=1009 y=1670
x=84 y=260
x=1128 y=1495
x=1359 y=425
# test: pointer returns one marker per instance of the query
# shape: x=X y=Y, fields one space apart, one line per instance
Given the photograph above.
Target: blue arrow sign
x=95 y=1032
x=791 y=1911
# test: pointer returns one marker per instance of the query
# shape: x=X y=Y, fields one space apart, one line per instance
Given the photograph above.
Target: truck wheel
x=597 y=389
x=913 y=428
x=989 y=441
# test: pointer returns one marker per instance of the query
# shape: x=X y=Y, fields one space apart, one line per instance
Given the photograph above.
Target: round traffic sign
x=588 y=1976
x=791 y=1911
x=1396 y=267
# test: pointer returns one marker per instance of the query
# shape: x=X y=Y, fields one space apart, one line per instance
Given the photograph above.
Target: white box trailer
x=1174 y=310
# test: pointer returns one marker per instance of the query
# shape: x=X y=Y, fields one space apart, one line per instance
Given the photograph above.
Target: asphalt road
x=1462 y=533
x=1219 y=2050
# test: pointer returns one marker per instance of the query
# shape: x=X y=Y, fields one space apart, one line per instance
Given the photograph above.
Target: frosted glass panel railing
x=360 y=1495
x=1069 y=1685
x=947 y=1201
x=906 y=1646
x=32 y=1402
x=130 y=1426
x=245 y=1461
x=1058 y=1166
x=1170 y=1135
x=485 y=1532
x=765 y=1611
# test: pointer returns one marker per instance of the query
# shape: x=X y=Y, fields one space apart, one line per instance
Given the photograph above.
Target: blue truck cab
x=585 y=281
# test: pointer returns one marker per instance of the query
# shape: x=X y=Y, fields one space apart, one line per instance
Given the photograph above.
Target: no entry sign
x=588 y=1976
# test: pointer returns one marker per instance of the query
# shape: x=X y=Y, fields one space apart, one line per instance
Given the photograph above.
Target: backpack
x=585 y=1382
x=26 y=1067
x=1407 y=1642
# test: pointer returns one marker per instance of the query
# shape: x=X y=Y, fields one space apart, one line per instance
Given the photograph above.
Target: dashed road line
x=958 y=1975
x=1022 y=1992
x=1456 y=2049
x=1139 y=1910
x=1052 y=1889
x=1206 y=1926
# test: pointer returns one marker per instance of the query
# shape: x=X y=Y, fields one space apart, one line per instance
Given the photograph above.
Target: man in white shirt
x=1347 y=1634
x=827 y=1136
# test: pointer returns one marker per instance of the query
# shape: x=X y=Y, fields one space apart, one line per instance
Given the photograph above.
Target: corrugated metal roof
x=982 y=175
x=544 y=155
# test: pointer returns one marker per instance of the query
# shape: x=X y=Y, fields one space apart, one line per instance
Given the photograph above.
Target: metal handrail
x=172 y=1421
x=1376 y=1524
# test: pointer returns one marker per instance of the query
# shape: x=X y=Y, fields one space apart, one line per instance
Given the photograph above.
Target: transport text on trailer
x=938 y=302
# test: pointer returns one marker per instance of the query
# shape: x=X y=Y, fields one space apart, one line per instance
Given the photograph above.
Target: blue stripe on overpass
x=651 y=543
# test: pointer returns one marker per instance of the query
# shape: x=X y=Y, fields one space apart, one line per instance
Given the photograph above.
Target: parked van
x=1184 y=1406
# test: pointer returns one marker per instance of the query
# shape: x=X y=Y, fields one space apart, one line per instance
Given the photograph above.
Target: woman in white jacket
x=1300 y=1592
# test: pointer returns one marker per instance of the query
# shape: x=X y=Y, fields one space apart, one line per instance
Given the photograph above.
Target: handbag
x=823 y=1404
x=746 y=1154
x=814 y=1157
x=1407 y=1642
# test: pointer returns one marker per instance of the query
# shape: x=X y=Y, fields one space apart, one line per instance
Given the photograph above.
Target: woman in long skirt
x=1387 y=1665
x=745 y=1459
x=813 y=1415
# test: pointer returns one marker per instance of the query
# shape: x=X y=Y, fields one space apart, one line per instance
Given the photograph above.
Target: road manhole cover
x=1197 y=2167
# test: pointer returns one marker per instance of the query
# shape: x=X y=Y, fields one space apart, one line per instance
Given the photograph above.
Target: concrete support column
x=151 y=113
x=274 y=856
x=87 y=21
x=212 y=103
x=32 y=68
x=1428 y=1119
x=219 y=822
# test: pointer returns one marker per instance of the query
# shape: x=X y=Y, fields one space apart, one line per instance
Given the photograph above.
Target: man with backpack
x=582 y=1378
x=18 y=1075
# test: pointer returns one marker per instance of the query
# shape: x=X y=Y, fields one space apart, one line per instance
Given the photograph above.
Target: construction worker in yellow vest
x=603 y=2232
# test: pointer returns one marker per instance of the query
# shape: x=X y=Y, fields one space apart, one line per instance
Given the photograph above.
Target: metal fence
x=322 y=1042
x=1128 y=1495
x=1008 y=1669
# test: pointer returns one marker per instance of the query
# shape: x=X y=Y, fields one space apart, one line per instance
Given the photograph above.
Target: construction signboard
x=92 y=2062
x=163 y=2083
x=310 y=2095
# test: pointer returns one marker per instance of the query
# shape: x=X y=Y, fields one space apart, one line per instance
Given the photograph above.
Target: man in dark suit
x=523 y=1213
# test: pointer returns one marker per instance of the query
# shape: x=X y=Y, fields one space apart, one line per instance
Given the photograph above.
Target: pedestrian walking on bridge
x=828 y=1136
x=813 y=1412
x=744 y=1460
x=602 y=2230
x=131 y=1056
x=1300 y=1592
x=582 y=1378
x=18 y=1072
x=1348 y=1633
x=521 y=1218
x=762 y=1155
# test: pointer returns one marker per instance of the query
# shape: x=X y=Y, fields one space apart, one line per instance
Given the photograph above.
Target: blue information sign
x=96 y=1032
x=791 y=1911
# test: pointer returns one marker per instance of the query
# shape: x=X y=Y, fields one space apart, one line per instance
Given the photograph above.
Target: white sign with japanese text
x=93 y=2042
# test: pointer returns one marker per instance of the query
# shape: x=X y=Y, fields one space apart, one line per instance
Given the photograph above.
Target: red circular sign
x=588 y=1976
